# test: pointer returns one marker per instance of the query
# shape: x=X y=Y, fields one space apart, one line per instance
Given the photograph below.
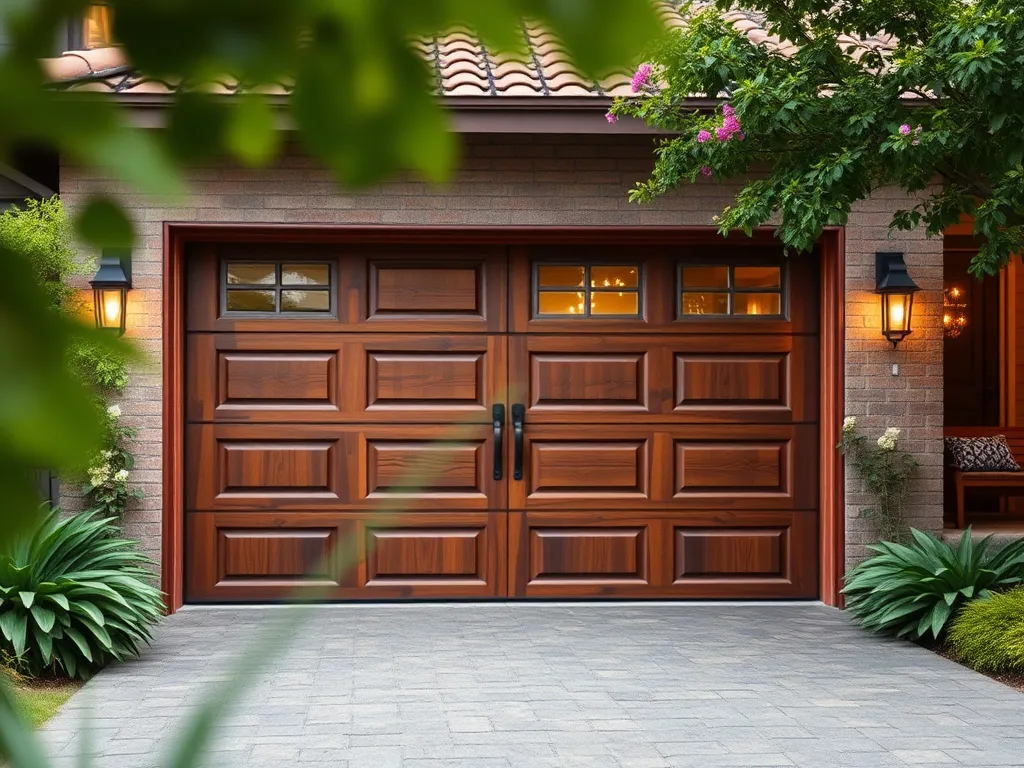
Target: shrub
x=73 y=597
x=913 y=590
x=988 y=635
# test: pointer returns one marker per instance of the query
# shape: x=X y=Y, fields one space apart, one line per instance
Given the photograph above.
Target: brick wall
x=538 y=180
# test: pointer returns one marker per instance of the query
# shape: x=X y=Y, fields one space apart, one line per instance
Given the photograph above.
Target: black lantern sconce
x=897 y=290
x=110 y=289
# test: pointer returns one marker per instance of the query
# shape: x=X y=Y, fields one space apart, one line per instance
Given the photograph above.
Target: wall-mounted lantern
x=897 y=290
x=110 y=288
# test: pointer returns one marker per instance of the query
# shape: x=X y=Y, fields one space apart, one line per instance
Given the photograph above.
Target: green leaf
x=79 y=640
x=252 y=132
x=27 y=598
x=44 y=642
x=44 y=617
x=102 y=223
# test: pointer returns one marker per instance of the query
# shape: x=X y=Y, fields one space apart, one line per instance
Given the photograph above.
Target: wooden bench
x=1010 y=483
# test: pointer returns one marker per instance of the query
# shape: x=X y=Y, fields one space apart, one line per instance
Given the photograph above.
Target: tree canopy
x=923 y=95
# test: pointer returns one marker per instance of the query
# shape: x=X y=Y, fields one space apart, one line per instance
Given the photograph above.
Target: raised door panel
x=284 y=377
x=243 y=556
x=267 y=556
x=687 y=467
x=282 y=467
x=632 y=379
x=434 y=554
x=450 y=379
x=429 y=288
x=663 y=553
x=573 y=467
x=760 y=554
x=766 y=467
x=265 y=377
x=578 y=554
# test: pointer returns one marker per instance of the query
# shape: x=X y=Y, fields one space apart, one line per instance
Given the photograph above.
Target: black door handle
x=498 y=416
x=518 y=416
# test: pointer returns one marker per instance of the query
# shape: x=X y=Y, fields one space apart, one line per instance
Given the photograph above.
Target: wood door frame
x=176 y=235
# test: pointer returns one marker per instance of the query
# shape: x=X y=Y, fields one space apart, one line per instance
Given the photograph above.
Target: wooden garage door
x=658 y=436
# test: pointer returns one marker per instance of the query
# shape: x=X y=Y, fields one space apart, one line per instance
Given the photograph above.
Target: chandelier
x=954 y=311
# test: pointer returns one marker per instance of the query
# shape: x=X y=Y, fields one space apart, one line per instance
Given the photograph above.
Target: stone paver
x=544 y=685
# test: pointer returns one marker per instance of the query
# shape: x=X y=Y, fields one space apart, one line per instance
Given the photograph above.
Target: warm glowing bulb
x=947 y=319
x=896 y=314
x=112 y=308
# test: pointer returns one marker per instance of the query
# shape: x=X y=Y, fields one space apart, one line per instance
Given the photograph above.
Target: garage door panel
x=433 y=554
x=634 y=553
x=436 y=288
x=756 y=466
x=399 y=471
x=307 y=378
x=410 y=379
x=400 y=288
x=763 y=553
x=729 y=466
x=267 y=556
x=692 y=379
x=239 y=556
x=384 y=467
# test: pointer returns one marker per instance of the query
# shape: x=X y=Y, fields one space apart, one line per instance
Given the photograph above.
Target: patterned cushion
x=982 y=454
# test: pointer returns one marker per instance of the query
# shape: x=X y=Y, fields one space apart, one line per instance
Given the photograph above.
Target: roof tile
x=462 y=65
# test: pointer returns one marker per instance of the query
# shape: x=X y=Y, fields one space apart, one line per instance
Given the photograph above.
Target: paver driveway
x=534 y=685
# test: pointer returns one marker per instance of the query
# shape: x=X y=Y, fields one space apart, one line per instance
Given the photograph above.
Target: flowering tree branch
x=875 y=96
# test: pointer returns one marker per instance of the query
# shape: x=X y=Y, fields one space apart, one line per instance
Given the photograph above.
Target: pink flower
x=723 y=134
x=611 y=118
x=732 y=124
x=706 y=171
x=643 y=74
x=915 y=142
x=728 y=110
x=918 y=129
x=741 y=136
x=703 y=137
x=905 y=129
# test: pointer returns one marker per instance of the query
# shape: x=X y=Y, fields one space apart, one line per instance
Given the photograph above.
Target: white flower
x=108 y=454
x=849 y=423
x=115 y=411
x=887 y=442
x=121 y=475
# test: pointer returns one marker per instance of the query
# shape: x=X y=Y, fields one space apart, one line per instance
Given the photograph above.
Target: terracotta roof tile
x=461 y=65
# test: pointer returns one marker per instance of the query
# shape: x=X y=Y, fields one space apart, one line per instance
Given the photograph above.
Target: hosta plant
x=73 y=597
x=913 y=590
x=989 y=634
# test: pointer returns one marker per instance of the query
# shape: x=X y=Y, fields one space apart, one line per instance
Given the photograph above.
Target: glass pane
x=560 y=277
x=705 y=303
x=757 y=304
x=611 y=303
x=561 y=303
x=251 y=301
x=758 y=277
x=705 y=277
x=250 y=274
x=305 y=301
x=614 y=277
x=305 y=274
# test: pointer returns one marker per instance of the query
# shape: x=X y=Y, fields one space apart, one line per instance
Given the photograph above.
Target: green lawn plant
x=73 y=597
x=988 y=635
x=913 y=590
